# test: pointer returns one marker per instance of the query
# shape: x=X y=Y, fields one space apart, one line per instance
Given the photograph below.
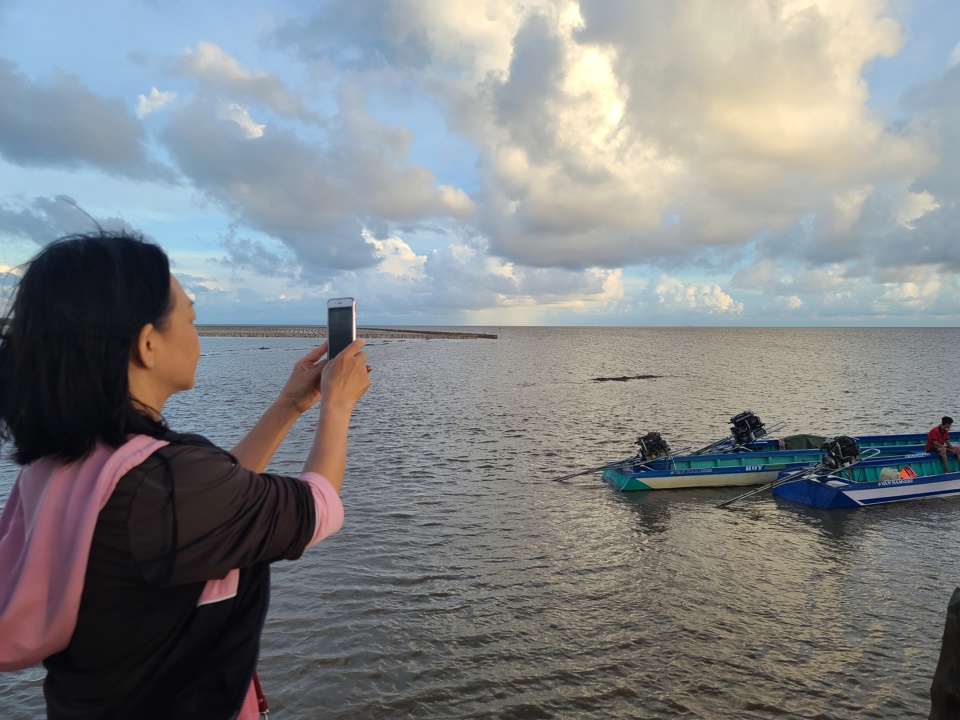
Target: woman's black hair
x=66 y=345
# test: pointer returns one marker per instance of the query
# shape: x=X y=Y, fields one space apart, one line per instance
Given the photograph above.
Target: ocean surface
x=468 y=584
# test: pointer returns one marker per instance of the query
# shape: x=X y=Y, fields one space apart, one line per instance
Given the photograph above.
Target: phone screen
x=340 y=329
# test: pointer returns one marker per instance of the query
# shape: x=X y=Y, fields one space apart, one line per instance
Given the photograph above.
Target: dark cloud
x=528 y=99
x=42 y=220
x=247 y=254
x=361 y=35
x=60 y=123
x=315 y=197
x=275 y=183
x=937 y=113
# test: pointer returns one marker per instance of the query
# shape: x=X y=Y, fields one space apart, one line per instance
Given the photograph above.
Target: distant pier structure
x=320 y=331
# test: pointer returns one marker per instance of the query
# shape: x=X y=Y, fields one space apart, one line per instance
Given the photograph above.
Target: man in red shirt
x=938 y=441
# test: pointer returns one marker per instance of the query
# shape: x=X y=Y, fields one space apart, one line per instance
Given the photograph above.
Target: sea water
x=467 y=584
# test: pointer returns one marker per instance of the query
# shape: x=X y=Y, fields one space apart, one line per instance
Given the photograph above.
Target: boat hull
x=835 y=492
x=665 y=480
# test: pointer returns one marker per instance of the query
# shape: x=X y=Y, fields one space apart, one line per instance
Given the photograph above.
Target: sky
x=602 y=162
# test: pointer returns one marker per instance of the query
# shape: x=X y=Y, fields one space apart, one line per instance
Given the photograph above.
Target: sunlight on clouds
x=209 y=61
x=475 y=36
x=157 y=100
x=914 y=296
x=816 y=109
x=597 y=125
x=592 y=289
x=914 y=206
x=613 y=288
x=596 y=104
x=223 y=76
x=463 y=253
x=534 y=152
x=241 y=117
x=456 y=201
x=702 y=296
x=397 y=258
x=849 y=207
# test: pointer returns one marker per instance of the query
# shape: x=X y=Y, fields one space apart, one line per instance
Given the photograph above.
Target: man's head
x=946 y=421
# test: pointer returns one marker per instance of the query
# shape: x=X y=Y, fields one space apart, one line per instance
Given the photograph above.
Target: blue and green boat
x=750 y=464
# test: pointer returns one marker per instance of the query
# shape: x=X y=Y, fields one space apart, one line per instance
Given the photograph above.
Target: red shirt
x=939 y=435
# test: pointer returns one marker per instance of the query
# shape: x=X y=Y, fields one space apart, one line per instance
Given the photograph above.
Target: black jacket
x=142 y=648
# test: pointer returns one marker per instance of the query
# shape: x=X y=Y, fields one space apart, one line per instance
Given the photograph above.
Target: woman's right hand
x=345 y=378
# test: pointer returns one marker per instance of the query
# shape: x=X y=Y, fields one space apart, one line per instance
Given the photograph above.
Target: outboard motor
x=747 y=428
x=840 y=451
x=652 y=446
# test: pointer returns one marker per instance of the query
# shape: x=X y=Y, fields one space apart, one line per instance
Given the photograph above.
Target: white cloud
x=157 y=100
x=591 y=129
x=705 y=297
x=239 y=115
x=398 y=259
x=222 y=75
x=849 y=205
x=546 y=159
x=456 y=202
x=915 y=206
x=908 y=296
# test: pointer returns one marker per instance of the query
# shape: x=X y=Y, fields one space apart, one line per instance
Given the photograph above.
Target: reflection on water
x=467 y=584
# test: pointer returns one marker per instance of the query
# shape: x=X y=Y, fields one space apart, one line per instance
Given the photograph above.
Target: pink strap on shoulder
x=45 y=533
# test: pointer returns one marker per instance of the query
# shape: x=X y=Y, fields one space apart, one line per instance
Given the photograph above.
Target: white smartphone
x=341 y=324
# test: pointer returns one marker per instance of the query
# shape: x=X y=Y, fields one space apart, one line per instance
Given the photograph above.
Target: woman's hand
x=346 y=378
x=299 y=393
x=344 y=381
x=302 y=390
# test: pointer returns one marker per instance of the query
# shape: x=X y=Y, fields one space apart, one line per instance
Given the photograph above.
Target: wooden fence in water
x=320 y=331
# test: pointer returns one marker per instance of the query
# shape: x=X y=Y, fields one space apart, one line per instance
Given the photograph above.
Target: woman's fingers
x=314 y=355
x=353 y=348
x=346 y=378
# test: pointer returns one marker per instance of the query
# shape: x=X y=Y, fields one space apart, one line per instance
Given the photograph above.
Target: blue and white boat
x=731 y=469
x=873 y=482
x=746 y=457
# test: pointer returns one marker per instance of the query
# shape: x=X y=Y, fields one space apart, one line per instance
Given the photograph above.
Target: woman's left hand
x=302 y=390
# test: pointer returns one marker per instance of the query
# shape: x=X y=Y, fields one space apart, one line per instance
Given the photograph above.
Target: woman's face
x=179 y=349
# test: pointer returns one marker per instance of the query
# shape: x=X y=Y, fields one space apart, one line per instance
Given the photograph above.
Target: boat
x=740 y=460
x=875 y=481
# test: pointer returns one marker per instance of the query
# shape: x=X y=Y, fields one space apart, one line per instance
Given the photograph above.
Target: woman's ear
x=144 y=347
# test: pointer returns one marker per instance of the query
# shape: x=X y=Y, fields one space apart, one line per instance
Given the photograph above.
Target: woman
x=134 y=561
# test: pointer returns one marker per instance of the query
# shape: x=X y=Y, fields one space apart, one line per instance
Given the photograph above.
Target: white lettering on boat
x=898 y=481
